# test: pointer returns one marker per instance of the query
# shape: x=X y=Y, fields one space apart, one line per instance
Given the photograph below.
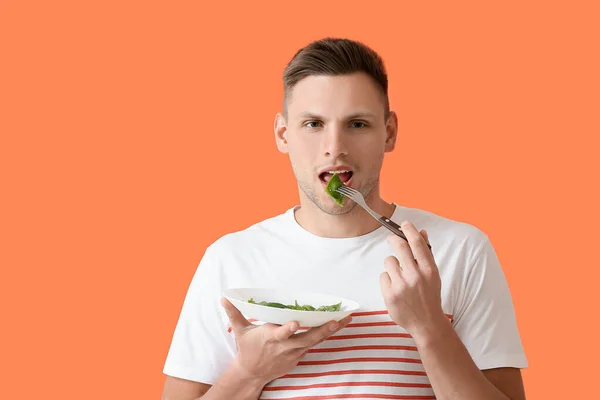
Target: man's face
x=336 y=124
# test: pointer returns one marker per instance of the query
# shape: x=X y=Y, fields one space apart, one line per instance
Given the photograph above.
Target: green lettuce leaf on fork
x=334 y=183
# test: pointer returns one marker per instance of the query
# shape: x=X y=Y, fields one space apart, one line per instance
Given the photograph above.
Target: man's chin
x=332 y=208
x=325 y=203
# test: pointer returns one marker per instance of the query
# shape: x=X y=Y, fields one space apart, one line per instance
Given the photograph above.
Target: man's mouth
x=345 y=175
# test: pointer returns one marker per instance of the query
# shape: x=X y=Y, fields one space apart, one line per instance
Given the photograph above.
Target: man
x=433 y=324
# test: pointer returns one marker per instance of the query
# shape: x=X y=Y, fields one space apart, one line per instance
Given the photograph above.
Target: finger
x=417 y=243
x=393 y=269
x=425 y=235
x=405 y=257
x=385 y=282
x=283 y=332
x=341 y=325
x=238 y=322
x=316 y=335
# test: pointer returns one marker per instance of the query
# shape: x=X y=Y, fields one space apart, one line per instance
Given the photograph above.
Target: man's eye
x=313 y=124
x=358 y=124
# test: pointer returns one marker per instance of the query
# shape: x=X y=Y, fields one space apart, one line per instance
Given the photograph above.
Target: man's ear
x=280 y=127
x=391 y=130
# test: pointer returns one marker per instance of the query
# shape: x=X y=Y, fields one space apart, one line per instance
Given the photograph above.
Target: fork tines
x=346 y=189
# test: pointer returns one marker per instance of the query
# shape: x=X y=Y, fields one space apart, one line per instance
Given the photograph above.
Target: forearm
x=234 y=385
x=450 y=368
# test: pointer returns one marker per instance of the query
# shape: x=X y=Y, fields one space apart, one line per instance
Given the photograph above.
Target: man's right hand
x=270 y=351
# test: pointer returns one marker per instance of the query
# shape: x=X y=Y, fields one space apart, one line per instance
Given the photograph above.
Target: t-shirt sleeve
x=201 y=348
x=485 y=318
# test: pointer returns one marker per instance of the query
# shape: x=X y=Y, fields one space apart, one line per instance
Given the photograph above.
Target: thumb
x=238 y=322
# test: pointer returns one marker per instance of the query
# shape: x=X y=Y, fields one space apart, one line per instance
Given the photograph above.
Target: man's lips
x=344 y=172
x=335 y=168
x=348 y=182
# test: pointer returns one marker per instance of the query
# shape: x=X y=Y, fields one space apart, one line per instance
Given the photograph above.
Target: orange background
x=132 y=133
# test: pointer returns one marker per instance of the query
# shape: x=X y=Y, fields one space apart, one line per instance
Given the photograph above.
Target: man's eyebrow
x=310 y=115
x=363 y=114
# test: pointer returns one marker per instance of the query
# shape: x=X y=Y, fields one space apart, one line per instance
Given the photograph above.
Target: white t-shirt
x=371 y=356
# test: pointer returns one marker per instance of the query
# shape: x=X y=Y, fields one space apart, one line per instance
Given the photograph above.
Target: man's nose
x=335 y=141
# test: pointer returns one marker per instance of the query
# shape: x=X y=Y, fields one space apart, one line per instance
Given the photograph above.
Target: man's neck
x=356 y=222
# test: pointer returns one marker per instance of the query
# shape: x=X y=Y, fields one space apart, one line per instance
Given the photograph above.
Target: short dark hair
x=335 y=56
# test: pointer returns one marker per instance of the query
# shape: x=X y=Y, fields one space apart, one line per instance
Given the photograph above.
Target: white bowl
x=239 y=298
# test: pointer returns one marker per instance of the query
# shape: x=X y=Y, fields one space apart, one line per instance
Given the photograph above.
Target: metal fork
x=358 y=198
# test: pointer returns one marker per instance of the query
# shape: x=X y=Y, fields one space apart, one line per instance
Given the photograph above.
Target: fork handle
x=394 y=227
